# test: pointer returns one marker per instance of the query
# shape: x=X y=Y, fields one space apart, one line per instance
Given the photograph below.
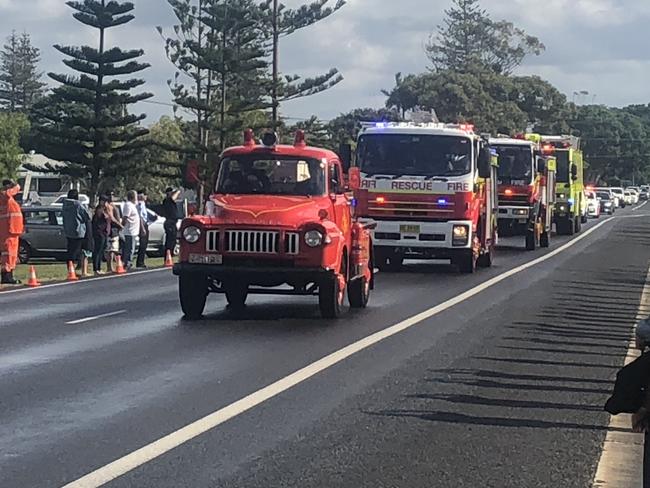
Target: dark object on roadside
x=643 y=334
x=631 y=387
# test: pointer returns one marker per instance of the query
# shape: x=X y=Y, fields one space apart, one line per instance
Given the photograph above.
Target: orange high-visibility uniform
x=11 y=228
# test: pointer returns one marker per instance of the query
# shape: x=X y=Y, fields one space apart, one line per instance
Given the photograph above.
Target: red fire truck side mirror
x=354 y=178
x=484 y=159
x=345 y=156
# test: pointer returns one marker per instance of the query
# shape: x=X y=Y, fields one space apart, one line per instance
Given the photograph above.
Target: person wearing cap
x=11 y=228
x=172 y=216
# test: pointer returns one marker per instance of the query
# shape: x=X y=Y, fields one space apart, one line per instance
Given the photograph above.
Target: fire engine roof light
x=300 y=140
x=380 y=125
x=270 y=139
x=249 y=137
x=442 y=201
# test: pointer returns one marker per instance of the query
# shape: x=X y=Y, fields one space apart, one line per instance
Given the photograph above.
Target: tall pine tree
x=86 y=119
x=278 y=22
x=20 y=79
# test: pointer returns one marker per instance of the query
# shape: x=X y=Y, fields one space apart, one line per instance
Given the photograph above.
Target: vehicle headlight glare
x=313 y=238
x=192 y=234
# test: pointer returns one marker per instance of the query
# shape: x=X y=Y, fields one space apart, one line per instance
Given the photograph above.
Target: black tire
x=359 y=293
x=193 y=293
x=571 y=227
x=466 y=262
x=583 y=219
x=578 y=225
x=24 y=252
x=236 y=295
x=485 y=260
x=531 y=240
x=330 y=299
x=545 y=239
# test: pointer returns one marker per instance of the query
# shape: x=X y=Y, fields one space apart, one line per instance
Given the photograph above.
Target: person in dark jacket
x=101 y=225
x=75 y=222
x=172 y=216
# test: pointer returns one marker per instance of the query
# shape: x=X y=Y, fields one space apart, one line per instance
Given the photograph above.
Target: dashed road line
x=185 y=434
x=95 y=317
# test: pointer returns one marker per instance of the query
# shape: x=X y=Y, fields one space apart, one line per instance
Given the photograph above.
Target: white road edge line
x=621 y=459
x=96 y=317
x=165 y=444
x=640 y=206
x=80 y=282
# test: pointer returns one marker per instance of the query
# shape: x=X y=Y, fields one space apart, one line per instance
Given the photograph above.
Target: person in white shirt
x=131 y=222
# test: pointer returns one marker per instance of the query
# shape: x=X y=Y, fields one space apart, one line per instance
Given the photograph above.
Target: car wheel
x=24 y=252
x=193 y=293
x=359 y=293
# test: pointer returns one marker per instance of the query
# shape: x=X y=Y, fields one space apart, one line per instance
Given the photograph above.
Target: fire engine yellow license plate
x=206 y=259
x=409 y=229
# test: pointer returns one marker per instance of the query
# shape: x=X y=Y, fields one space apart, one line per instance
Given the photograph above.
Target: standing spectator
x=75 y=223
x=145 y=220
x=87 y=248
x=11 y=227
x=113 y=245
x=101 y=224
x=131 y=222
x=171 y=214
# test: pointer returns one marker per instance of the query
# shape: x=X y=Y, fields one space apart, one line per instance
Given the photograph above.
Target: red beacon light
x=548 y=149
x=249 y=137
x=300 y=139
x=467 y=127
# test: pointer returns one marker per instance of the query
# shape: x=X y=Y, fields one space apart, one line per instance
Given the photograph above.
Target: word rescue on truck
x=526 y=188
x=280 y=221
x=431 y=189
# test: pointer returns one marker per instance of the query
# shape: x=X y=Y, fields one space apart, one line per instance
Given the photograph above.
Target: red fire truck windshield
x=515 y=164
x=414 y=155
x=246 y=175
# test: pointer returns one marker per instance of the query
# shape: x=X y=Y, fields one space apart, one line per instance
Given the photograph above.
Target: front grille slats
x=212 y=241
x=254 y=242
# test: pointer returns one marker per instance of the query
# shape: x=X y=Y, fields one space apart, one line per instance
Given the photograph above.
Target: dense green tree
x=86 y=118
x=20 y=79
x=469 y=41
x=11 y=154
x=345 y=128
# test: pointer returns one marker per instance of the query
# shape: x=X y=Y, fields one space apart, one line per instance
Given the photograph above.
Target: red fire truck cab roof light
x=249 y=137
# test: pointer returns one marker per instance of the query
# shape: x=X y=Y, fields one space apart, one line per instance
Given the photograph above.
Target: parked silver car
x=43 y=236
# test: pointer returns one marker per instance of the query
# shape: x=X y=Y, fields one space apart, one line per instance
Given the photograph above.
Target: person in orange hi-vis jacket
x=11 y=228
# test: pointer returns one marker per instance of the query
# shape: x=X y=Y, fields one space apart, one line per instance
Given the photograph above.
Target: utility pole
x=276 y=55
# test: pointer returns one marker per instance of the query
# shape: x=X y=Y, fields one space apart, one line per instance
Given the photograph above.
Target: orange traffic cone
x=120 y=265
x=72 y=275
x=33 y=282
x=169 y=262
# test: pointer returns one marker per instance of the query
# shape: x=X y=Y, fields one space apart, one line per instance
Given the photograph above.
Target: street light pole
x=276 y=56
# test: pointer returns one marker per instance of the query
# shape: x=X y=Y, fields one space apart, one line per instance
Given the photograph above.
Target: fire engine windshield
x=414 y=155
x=515 y=164
x=266 y=175
x=562 y=166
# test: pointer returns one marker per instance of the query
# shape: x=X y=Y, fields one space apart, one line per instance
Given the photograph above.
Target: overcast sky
x=599 y=46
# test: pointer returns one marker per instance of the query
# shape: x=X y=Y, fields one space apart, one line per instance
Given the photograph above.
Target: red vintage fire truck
x=526 y=176
x=431 y=188
x=280 y=221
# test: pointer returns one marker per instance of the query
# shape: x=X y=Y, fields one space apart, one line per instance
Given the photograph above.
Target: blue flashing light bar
x=442 y=201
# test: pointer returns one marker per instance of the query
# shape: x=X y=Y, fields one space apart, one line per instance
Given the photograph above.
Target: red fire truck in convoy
x=431 y=188
x=279 y=222
x=526 y=176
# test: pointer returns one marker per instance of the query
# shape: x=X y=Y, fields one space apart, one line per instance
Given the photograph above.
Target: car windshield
x=562 y=166
x=414 y=155
x=271 y=175
x=515 y=163
x=603 y=195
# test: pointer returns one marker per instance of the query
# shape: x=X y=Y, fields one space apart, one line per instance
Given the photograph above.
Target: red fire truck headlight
x=313 y=238
x=460 y=235
x=192 y=234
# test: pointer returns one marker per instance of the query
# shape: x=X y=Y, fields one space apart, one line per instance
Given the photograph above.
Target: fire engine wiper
x=437 y=178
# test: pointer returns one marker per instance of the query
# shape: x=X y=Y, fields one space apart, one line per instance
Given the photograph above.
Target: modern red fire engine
x=431 y=188
x=280 y=221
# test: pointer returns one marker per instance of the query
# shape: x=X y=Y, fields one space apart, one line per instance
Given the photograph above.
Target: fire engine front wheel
x=466 y=262
x=193 y=292
x=545 y=239
x=531 y=240
x=330 y=298
x=359 y=293
x=236 y=295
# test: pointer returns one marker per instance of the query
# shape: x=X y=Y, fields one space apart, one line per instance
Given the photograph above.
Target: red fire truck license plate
x=409 y=229
x=206 y=259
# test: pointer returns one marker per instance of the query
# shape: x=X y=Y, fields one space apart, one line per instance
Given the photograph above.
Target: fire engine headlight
x=313 y=238
x=191 y=234
x=521 y=211
x=460 y=235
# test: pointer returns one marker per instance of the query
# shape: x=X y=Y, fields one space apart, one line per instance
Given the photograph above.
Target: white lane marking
x=165 y=444
x=640 y=206
x=96 y=317
x=80 y=282
x=621 y=460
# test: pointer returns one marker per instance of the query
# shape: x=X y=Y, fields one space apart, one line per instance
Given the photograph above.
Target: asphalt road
x=504 y=389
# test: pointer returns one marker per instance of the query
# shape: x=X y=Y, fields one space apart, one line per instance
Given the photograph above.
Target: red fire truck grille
x=255 y=242
x=506 y=200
